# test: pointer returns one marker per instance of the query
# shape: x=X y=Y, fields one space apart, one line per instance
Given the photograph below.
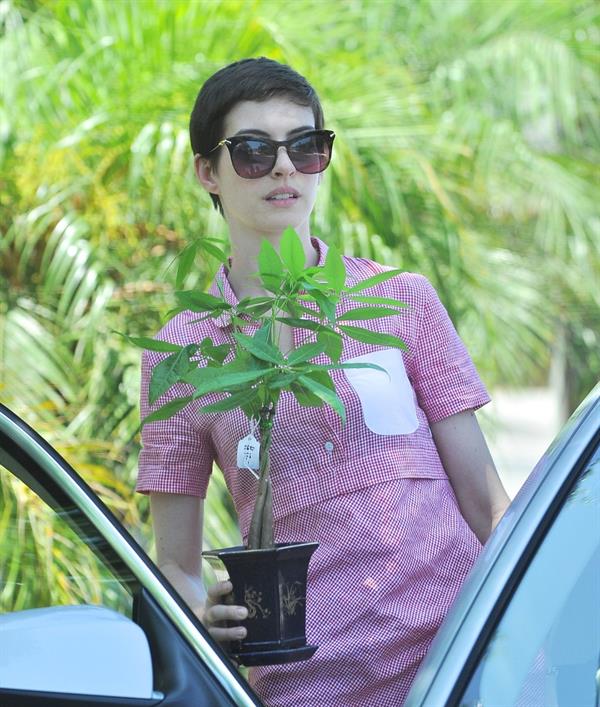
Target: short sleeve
x=443 y=375
x=176 y=455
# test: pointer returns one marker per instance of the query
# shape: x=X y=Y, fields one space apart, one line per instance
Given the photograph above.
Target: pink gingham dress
x=394 y=548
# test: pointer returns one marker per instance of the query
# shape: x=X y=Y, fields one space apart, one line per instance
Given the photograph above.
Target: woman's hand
x=218 y=610
x=177 y=521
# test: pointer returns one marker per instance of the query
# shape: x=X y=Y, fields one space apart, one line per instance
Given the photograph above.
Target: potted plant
x=251 y=372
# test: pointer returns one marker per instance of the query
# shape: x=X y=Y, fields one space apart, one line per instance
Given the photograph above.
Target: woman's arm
x=470 y=468
x=177 y=521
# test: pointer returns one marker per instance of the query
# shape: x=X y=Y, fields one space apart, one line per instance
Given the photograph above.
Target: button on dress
x=394 y=548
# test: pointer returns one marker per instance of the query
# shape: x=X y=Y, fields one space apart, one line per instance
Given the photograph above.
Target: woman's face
x=248 y=204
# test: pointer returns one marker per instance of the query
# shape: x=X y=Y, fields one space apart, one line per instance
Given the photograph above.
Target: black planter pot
x=271 y=584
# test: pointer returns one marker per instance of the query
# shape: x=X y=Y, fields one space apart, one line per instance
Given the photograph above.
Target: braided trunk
x=260 y=534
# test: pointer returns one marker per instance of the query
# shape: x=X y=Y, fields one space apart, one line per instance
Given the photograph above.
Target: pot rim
x=242 y=550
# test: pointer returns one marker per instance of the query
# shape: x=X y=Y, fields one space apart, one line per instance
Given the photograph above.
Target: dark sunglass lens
x=252 y=158
x=311 y=153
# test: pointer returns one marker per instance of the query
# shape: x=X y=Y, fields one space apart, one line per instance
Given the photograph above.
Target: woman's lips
x=282 y=197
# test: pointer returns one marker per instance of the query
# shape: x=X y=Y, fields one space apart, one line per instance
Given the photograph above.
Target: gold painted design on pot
x=253 y=601
x=290 y=598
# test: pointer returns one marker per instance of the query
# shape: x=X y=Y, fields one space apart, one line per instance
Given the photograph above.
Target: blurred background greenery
x=468 y=138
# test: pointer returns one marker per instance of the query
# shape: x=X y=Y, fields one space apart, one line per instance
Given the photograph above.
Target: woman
x=399 y=500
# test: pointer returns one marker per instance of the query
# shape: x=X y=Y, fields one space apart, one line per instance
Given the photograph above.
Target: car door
x=525 y=629
x=545 y=649
x=85 y=616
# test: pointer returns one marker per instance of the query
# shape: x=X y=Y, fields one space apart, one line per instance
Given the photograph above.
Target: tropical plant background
x=467 y=149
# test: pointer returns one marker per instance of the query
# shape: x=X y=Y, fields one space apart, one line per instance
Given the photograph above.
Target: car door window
x=545 y=650
x=63 y=608
x=45 y=562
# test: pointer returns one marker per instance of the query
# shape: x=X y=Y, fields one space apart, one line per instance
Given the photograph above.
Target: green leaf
x=209 y=380
x=233 y=401
x=326 y=395
x=296 y=308
x=362 y=313
x=310 y=283
x=215 y=353
x=325 y=304
x=145 y=342
x=185 y=264
x=300 y=323
x=333 y=343
x=168 y=410
x=372 y=337
x=282 y=380
x=339 y=366
x=292 y=252
x=211 y=247
x=375 y=280
x=263 y=333
x=201 y=301
x=374 y=366
x=170 y=371
x=322 y=376
x=378 y=300
x=251 y=301
x=270 y=267
x=255 y=306
x=305 y=353
x=334 y=269
x=261 y=349
x=305 y=398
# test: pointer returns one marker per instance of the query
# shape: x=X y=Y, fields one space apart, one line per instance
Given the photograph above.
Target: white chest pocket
x=387 y=399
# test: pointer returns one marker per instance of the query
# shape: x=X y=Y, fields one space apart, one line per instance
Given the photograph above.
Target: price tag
x=248 y=453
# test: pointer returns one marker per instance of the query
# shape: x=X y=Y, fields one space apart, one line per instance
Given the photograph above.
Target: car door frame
x=29 y=457
x=466 y=631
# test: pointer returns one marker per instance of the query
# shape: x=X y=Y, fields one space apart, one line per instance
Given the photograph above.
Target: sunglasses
x=255 y=157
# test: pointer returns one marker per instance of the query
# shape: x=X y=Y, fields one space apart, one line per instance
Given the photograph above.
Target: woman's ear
x=205 y=174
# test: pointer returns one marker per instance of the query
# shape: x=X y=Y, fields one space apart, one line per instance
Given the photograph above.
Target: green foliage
x=272 y=372
x=466 y=149
x=253 y=370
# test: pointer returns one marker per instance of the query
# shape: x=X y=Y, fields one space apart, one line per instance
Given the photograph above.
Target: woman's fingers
x=225 y=612
x=218 y=590
x=224 y=635
x=218 y=610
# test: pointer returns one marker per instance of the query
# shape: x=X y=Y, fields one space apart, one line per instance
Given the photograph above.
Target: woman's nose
x=283 y=163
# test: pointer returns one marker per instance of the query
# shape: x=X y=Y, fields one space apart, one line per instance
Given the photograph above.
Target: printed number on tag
x=248 y=453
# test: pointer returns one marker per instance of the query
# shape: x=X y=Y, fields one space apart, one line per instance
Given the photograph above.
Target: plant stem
x=260 y=534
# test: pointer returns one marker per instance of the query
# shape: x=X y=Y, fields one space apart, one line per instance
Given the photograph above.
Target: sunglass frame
x=232 y=142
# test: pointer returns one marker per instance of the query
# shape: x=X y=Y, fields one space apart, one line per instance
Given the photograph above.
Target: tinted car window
x=46 y=557
x=545 y=650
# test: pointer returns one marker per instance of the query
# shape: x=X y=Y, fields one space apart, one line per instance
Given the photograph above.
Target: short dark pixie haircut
x=246 y=80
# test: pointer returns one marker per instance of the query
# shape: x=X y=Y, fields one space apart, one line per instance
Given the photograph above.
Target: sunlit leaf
x=185 y=263
x=372 y=337
x=145 y=342
x=332 y=342
x=169 y=371
x=334 y=269
x=374 y=280
x=261 y=349
x=167 y=410
x=326 y=395
x=210 y=380
x=292 y=252
x=231 y=402
x=305 y=353
x=201 y=302
x=270 y=267
x=363 y=313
